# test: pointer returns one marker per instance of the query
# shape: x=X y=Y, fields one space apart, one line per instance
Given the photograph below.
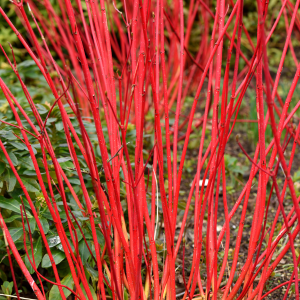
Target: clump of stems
x=148 y=43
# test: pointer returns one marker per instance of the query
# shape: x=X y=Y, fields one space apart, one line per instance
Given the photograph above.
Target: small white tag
x=205 y=182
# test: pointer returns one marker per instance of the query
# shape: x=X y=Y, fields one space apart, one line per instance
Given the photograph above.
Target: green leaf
x=33 y=149
x=45 y=225
x=30 y=173
x=47 y=215
x=12 y=218
x=92 y=272
x=2 y=167
x=50 y=120
x=125 y=295
x=11 y=155
x=100 y=238
x=58 y=257
x=53 y=176
x=20 y=245
x=7 y=287
x=3 y=275
x=10 y=179
x=25 y=64
x=74 y=181
x=63 y=159
x=42 y=109
x=31 y=185
x=16 y=233
x=63 y=215
x=32 y=224
x=37 y=251
x=67 y=281
x=94 y=296
x=83 y=251
x=27 y=163
x=19 y=146
x=8 y=135
x=10 y=204
x=13 y=204
x=59 y=126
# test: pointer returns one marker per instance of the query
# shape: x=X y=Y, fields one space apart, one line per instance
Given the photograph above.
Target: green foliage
x=7 y=36
x=67 y=281
x=37 y=254
x=235 y=170
x=7 y=289
x=10 y=190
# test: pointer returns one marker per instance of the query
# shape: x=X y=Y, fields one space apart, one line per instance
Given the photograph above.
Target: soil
x=284 y=268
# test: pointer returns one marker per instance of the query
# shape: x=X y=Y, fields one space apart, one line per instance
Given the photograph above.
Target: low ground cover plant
x=126 y=168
